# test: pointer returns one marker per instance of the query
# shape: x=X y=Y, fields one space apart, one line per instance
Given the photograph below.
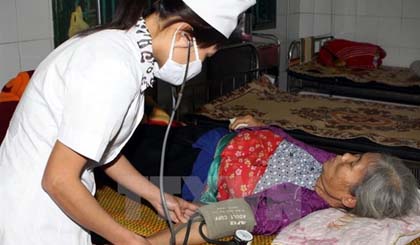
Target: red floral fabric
x=243 y=162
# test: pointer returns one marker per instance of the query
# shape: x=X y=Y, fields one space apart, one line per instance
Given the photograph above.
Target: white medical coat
x=87 y=95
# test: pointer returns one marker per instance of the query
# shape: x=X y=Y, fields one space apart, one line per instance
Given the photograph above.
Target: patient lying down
x=368 y=185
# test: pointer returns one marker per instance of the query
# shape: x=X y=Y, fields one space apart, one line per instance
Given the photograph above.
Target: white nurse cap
x=222 y=15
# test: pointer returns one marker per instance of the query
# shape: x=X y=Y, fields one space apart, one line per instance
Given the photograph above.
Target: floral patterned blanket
x=394 y=76
x=386 y=124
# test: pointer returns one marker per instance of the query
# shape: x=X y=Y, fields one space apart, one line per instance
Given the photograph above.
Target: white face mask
x=173 y=72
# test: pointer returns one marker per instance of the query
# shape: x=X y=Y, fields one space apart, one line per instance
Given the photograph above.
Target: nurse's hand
x=179 y=209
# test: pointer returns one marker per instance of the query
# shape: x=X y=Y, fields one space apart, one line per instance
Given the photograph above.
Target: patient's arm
x=163 y=237
x=249 y=120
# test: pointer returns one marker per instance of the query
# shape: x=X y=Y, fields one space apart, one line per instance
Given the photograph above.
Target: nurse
x=81 y=107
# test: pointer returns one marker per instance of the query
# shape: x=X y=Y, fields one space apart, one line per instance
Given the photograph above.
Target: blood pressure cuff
x=224 y=218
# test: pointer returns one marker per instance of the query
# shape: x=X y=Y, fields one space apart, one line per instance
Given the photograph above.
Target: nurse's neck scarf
x=147 y=60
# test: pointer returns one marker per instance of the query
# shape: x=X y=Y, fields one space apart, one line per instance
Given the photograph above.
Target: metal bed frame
x=231 y=67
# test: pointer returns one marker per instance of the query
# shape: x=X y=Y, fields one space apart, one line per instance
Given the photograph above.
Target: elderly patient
x=368 y=185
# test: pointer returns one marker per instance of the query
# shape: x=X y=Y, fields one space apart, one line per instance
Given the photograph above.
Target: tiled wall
x=309 y=18
x=26 y=35
x=393 y=24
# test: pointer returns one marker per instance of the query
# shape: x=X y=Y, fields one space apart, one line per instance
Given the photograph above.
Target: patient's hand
x=249 y=120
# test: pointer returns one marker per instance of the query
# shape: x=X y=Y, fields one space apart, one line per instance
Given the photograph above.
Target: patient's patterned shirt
x=243 y=162
x=290 y=164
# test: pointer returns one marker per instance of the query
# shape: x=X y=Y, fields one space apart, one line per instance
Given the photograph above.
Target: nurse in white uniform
x=80 y=108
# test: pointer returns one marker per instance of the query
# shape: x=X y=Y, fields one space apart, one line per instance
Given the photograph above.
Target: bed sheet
x=393 y=76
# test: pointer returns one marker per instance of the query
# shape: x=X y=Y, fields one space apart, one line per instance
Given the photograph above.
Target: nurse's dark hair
x=128 y=13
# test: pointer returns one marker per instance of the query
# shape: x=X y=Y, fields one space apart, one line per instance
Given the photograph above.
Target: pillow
x=333 y=226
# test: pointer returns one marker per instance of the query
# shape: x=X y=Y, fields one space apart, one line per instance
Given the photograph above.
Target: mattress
x=394 y=84
x=393 y=76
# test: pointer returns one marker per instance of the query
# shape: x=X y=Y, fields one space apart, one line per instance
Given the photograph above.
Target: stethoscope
x=176 y=101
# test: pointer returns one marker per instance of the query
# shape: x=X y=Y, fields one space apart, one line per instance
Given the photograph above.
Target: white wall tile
x=411 y=8
x=348 y=36
x=367 y=29
x=367 y=7
x=282 y=7
x=345 y=7
x=8 y=21
x=307 y=6
x=281 y=27
x=33 y=52
x=408 y=56
x=294 y=6
x=410 y=34
x=323 y=6
x=388 y=8
x=34 y=20
x=322 y=24
x=393 y=57
x=293 y=26
x=306 y=25
x=389 y=31
x=344 y=26
x=9 y=62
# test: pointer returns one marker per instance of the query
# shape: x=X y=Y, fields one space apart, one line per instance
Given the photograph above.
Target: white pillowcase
x=333 y=226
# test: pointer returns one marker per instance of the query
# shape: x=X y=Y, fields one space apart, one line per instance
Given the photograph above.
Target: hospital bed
x=225 y=94
x=235 y=85
x=393 y=84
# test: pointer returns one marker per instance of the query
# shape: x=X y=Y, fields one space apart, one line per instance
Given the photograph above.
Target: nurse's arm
x=62 y=182
x=126 y=175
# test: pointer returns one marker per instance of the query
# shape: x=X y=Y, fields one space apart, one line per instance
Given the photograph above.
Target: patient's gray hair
x=388 y=189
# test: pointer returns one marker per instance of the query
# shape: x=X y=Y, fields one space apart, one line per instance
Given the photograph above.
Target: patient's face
x=339 y=174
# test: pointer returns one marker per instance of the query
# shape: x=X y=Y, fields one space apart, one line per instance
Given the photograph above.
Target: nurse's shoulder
x=110 y=43
x=109 y=56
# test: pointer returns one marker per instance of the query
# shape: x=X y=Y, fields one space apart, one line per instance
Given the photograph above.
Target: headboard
x=305 y=49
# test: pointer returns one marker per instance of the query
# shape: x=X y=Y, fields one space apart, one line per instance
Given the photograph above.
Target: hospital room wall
x=392 y=24
x=26 y=35
x=299 y=18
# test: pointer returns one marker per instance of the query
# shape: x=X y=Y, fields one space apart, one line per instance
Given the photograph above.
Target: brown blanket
x=386 y=124
x=393 y=76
